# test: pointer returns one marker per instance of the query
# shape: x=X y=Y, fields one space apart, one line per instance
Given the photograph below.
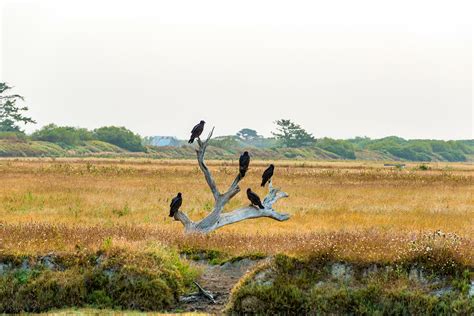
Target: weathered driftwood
x=196 y=296
x=216 y=218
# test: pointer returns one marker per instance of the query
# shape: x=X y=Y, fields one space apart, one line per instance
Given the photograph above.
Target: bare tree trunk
x=216 y=219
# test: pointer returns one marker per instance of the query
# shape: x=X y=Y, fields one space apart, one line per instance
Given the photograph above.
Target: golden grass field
x=357 y=209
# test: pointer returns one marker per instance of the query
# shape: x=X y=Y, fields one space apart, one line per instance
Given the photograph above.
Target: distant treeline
x=417 y=149
x=389 y=147
x=65 y=140
x=289 y=141
x=69 y=137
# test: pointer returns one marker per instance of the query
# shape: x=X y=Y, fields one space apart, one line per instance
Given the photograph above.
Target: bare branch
x=212 y=219
x=233 y=189
x=207 y=294
x=216 y=219
x=184 y=219
x=13 y=96
x=207 y=174
x=244 y=213
x=249 y=212
x=273 y=195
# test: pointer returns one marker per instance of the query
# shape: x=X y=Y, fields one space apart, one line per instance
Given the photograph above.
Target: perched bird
x=254 y=198
x=267 y=175
x=244 y=163
x=197 y=131
x=175 y=204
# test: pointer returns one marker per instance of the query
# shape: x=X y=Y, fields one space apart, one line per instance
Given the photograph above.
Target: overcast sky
x=339 y=68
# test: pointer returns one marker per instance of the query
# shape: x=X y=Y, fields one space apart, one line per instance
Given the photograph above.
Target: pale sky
x=339 y=68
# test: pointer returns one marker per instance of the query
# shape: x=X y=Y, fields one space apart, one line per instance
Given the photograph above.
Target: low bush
x=30 y=149
x=13 y=136
x=64 y=136
x=121 y=137
x=111 y=279
x=434 y=284
x=342 y=148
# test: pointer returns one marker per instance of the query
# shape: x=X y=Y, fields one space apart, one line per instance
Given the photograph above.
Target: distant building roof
x=164 y=141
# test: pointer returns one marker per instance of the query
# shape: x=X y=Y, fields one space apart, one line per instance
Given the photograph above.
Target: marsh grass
x=356 y=209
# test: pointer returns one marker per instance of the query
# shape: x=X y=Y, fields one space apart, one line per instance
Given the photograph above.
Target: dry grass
x=357 y=209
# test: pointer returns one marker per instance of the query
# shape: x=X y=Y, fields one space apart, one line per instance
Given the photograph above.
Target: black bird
x=267 y=175
x=175 y=204
x=197 y=131
x=254 y=198
x=244 y=163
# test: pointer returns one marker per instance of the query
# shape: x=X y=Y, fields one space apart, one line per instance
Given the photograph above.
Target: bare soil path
x=219 y=280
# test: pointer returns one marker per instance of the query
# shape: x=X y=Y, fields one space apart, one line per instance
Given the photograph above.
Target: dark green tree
x=292 y=135
x=10 y=113
x=62 y=135
x=121 y=137
x=247 y=134
x=340 y=147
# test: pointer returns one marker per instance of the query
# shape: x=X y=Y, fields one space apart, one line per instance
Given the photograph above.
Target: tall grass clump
x=320 y=284
x=111 y=278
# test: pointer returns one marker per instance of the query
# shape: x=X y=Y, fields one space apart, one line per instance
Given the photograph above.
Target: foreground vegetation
x=110 y=278
x=434 y=283
x=360 y=213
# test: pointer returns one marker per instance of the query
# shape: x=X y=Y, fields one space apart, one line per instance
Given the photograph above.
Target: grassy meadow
x=358 y=210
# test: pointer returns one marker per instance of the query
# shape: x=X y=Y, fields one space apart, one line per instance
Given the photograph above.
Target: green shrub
x=121 y=137
x=417 y=150
x=13 y=136
x=342 y=148
x=116 y=279
x=293 y=286
x=453 y=155
x=29 y=149
x=97 y=146
x=225 y=142
x=424 y=167
x=64 y=136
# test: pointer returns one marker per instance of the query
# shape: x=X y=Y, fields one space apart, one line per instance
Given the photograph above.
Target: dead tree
x=216 y=218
